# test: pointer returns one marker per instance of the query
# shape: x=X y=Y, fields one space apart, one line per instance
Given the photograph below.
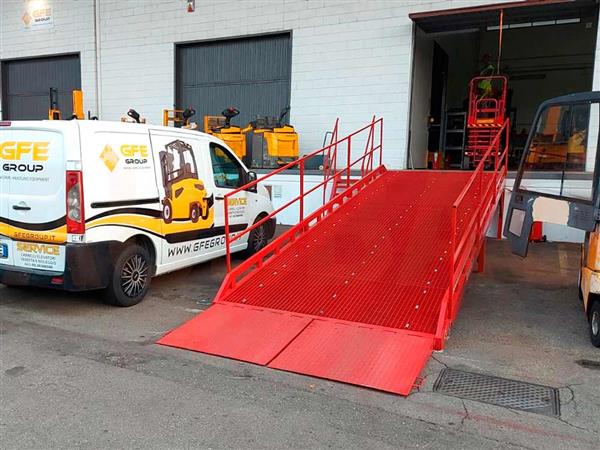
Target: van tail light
x=75 y=217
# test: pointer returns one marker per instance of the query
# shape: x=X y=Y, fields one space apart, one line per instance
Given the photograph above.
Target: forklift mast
x=54 y=112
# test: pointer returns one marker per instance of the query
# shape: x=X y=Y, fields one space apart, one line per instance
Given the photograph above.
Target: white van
x=107 y=205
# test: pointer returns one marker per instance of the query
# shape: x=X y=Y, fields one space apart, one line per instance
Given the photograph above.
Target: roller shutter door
x=251 y=74
x=26 y=84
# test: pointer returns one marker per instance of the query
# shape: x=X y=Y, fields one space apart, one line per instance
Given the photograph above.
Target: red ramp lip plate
x=238 y=332
x=372 y=357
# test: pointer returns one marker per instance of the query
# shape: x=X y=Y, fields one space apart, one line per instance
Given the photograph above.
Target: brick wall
x=73 y=32
x=350 y=58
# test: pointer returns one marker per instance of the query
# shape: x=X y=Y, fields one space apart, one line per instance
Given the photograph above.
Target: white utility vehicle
x=107 y=205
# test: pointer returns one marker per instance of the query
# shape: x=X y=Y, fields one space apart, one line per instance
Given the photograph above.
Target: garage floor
x=74 y=372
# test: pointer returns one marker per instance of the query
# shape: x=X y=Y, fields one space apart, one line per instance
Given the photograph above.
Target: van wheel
x=194 y=213
x=167 y=211
x=130 y=279
x=594 y=319
x=257 y=240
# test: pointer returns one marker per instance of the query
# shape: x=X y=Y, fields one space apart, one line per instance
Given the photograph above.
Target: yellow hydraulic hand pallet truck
x=275 y=143
x=233 y=135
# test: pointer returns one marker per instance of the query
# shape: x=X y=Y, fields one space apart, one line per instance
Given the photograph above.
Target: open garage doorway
x=548 y=49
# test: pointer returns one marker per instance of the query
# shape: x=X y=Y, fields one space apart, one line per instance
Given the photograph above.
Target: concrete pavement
x=75 y=373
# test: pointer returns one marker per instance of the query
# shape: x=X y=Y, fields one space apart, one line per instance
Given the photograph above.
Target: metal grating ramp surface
x=498 y=391
x=357 y=298
x=381 y=259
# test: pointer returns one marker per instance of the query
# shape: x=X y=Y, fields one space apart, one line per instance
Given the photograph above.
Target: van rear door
x=33 y=222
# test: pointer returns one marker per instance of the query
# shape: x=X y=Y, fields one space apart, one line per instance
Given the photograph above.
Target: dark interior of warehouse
x=534 y=50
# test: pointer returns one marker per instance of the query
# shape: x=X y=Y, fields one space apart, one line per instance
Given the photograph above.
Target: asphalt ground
x=76 y=373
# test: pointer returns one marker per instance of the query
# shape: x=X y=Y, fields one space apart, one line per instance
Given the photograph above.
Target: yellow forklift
x=564 y=140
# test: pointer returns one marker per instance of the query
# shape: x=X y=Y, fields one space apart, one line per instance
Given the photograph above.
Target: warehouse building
x=407 y=61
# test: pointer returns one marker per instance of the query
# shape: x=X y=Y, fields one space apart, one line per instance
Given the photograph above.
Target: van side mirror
x=250 y=177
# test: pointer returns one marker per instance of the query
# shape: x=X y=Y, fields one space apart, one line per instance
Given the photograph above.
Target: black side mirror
x=250 y=177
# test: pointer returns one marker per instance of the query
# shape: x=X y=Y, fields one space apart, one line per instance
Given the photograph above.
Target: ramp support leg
x=500 y=224
x=481 y=257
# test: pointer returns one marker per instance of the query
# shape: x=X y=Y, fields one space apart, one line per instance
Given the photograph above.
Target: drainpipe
x=97 y=49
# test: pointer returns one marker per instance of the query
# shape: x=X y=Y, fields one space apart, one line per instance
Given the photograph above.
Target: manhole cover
x=499 y=391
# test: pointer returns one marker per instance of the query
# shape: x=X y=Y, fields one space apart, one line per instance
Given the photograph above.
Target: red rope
x=500 y=39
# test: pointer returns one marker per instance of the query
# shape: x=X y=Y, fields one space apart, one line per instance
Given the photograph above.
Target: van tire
x=258 y=238
x=167 y=211
x=124 y=287
x=594 y=321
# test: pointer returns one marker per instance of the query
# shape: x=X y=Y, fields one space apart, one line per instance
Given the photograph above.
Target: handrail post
x=227 y=242
x=302 y=190
x=380 y=142
x=507 y=143
x=452 y=259
x=349 y=151
x=326 y=162
x=480 y=206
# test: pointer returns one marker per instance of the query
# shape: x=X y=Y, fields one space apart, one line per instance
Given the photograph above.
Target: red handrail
x=300 y=163
x=367 y=164
x=478 y=199
x=330 y=161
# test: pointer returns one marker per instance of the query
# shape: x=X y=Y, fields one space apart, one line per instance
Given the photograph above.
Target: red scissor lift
x=487 y=114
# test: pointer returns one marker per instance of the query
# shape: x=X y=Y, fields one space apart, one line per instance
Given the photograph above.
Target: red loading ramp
x=381 y=259
x=364 y=284
x=236 y=332
x=357 y=355
x=362 y=290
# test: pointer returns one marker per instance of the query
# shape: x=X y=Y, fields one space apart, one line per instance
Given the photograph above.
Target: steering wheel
x=188 y=112
x=134 y=115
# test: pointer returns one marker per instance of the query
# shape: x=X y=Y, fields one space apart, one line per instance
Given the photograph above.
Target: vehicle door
x=186 y=197
x=32 y=199
x=228 y=176
x=557 y=181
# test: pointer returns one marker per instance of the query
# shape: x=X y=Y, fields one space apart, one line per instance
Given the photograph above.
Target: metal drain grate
x=499 y=391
